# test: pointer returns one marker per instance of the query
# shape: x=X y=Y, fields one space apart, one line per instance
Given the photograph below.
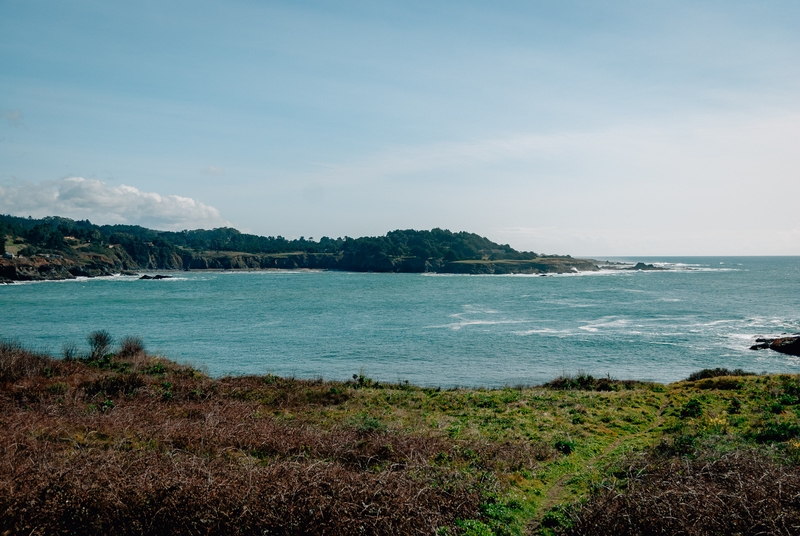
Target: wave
x=544 y=331
x=455 y=326
x=80 y=279
x=270 y=271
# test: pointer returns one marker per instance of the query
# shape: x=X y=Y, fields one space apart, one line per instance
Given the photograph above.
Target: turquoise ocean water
x=435 y=330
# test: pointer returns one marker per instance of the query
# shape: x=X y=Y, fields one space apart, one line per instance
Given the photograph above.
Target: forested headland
x=59 y=248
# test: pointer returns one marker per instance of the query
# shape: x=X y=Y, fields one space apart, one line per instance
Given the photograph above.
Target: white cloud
x=79 y=198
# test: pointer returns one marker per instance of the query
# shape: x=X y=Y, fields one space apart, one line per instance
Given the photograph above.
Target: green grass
x=532 y=451
x=585 y=432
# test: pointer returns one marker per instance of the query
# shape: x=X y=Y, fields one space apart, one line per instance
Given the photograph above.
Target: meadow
x=113 y=439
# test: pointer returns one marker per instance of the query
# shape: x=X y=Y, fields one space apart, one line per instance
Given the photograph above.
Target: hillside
x=115 y=440
x=60 y=248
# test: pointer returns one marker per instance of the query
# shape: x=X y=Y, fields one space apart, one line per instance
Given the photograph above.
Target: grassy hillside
x=114 y=439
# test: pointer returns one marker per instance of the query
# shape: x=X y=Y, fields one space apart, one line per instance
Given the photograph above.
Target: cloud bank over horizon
x=80 y=198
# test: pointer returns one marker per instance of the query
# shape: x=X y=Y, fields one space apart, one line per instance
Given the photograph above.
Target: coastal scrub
x=114 y=439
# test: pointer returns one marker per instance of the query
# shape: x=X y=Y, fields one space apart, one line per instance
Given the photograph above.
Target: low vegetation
x=110 y=439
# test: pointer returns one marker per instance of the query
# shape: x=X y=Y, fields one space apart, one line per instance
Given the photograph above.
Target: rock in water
x=643 y=266
x=785 y=345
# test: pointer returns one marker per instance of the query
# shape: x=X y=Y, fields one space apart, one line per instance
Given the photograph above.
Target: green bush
x=692 y=408
x=713 y=373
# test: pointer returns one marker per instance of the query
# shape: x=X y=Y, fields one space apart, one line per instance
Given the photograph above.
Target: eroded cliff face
x=544 y=265
x=54 y=267
x=40 y=268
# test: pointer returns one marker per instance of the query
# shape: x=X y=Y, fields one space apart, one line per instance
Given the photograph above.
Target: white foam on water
x=771 y=357
x=476 y=309
x=595 y=326
x=79 y=279
x=544 y=331
x=270 y=271
x=743 y=336
x=669 y=267
x=603 y=271
x=599 y=273
x=575 y=303
x=455 y=326
x=712 y=323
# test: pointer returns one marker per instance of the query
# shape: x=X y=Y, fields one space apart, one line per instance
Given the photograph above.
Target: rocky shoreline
x=789 y=344
x=54 y=268
x=39 y=268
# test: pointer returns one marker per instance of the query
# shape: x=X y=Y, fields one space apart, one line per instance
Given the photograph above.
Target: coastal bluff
x=55 y=248
x=41 y=268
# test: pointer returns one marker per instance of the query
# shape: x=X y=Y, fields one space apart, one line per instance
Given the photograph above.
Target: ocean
x=434 y=330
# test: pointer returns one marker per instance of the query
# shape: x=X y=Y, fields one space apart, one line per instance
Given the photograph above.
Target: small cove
x=434 y=330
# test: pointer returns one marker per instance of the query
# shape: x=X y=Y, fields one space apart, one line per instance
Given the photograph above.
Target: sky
x=608 y=128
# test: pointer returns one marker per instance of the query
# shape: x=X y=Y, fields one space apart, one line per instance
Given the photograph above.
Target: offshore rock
x=785 y=345
x=643 y=266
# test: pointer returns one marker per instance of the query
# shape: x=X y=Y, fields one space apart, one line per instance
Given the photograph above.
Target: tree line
x=55 y=234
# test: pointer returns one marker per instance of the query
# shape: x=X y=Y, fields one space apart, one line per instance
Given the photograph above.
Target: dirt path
x=555 y=493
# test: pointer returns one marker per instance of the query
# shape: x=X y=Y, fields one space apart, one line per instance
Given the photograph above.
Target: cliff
x=40 y=267
x=59 y=248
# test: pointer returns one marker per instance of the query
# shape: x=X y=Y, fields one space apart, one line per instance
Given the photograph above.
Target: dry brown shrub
x=283 y=393
x=742 y=493
x=130 y=346
x=164 y=450
x=17 y=362
x=113 y=385
x=105 y=492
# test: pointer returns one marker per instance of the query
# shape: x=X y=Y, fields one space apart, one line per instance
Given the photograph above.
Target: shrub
x=692 y=408
x=149 y=493
x=69 y=351
x=16 y=362
x=365 y=423
x=724 y=383
x=564 y=446
x=741 y=492
x=184 y=454
x=777 y=431
x=587 y=382
x=130 y=347
x=99 y=344
x=713 y=373
x=113 y=385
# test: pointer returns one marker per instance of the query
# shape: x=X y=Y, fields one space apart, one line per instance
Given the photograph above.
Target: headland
x=55 y=248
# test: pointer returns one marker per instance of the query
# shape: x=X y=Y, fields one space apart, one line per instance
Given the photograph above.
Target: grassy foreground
x=114 y=440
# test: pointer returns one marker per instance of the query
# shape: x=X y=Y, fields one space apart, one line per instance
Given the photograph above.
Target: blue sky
x=590 y=128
